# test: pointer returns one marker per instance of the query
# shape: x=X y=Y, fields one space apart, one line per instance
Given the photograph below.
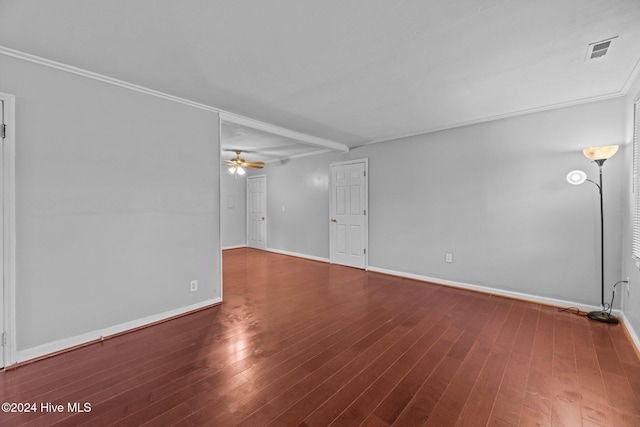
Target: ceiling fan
x=236 y=165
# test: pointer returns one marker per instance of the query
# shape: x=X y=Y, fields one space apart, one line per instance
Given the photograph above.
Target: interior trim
x=635 y=74
x=224 y=115
x=298 y=255
x=226 y=248
x=9 y=229
x=99 y=77
x=105 y=333
x=493 y=291
x=633 y=336
x=500 y=117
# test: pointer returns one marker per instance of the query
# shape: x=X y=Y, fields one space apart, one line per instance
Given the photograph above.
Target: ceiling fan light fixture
x=237 y=165
x=236 y=170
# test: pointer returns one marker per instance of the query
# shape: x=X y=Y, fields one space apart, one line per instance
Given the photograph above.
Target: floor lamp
x=577 y=177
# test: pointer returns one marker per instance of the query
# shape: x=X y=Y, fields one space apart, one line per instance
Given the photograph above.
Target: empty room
x=314 y=213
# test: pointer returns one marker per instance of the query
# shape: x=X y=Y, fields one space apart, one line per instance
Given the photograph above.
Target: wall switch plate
x=448 y=257
x=194 y=286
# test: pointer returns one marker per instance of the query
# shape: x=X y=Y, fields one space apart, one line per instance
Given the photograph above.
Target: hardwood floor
x=304 y=343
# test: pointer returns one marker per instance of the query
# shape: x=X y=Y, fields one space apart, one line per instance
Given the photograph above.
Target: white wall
x=117 y=205
x=233 y=209
x=494 y=194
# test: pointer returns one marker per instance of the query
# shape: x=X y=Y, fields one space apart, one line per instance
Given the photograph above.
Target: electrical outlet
x=448 y=257
x=194 y=285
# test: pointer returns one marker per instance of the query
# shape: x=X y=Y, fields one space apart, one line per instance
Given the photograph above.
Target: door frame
x=366 y=207
x=265 y=208
x=9 y=231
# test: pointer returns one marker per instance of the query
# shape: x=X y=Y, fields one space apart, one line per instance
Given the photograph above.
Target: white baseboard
x=66 y=343
x=632 y=333
x=234 y=247
x=493 y=291
x=295 y=254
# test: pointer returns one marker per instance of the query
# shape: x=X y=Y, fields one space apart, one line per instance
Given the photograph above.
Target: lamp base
x=602 y=316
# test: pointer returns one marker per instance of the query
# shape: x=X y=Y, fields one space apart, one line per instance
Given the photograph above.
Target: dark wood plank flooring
x=304 y=343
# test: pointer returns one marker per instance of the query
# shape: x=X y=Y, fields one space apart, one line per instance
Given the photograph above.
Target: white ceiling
x=349 y=71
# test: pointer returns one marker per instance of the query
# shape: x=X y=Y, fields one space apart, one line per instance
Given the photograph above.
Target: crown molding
x=100 y=77
x=500 y=117
x=224 y=115
x=635 y=74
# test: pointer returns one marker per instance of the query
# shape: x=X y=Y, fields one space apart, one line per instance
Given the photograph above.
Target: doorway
x=349 y=230
x=257 y=212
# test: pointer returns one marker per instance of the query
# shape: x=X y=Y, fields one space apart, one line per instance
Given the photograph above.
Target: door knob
x=262 y=218
x=334 y=220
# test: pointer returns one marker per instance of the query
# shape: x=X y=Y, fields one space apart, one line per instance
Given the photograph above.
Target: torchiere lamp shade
x=600 y=153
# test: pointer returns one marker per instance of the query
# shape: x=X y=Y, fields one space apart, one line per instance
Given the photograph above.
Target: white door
x=349 y=214
x=257 y=212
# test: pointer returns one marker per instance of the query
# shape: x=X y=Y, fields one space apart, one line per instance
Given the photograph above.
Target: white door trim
x=9 y=229
x=249 y=213
x=366 y=207
x=221 y=171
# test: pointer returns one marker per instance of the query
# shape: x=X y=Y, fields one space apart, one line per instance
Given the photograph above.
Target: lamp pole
x=600 y=162
x=577 y=177
x=602 y=315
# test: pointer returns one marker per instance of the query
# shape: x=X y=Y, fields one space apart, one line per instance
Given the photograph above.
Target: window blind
x=635 y=244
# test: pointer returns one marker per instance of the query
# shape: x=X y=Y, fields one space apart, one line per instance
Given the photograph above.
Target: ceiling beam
x=303 y=138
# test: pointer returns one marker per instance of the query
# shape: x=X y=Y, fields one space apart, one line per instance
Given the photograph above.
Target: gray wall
x=630 y=299
x=494 y=194
x=233 y=210
x=117 y=203
x=302 y=186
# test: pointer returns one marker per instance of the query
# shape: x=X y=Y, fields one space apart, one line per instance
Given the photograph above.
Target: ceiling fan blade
x=240 y=162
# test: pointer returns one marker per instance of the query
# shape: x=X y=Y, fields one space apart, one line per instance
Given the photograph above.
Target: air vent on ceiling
x=599 y=49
